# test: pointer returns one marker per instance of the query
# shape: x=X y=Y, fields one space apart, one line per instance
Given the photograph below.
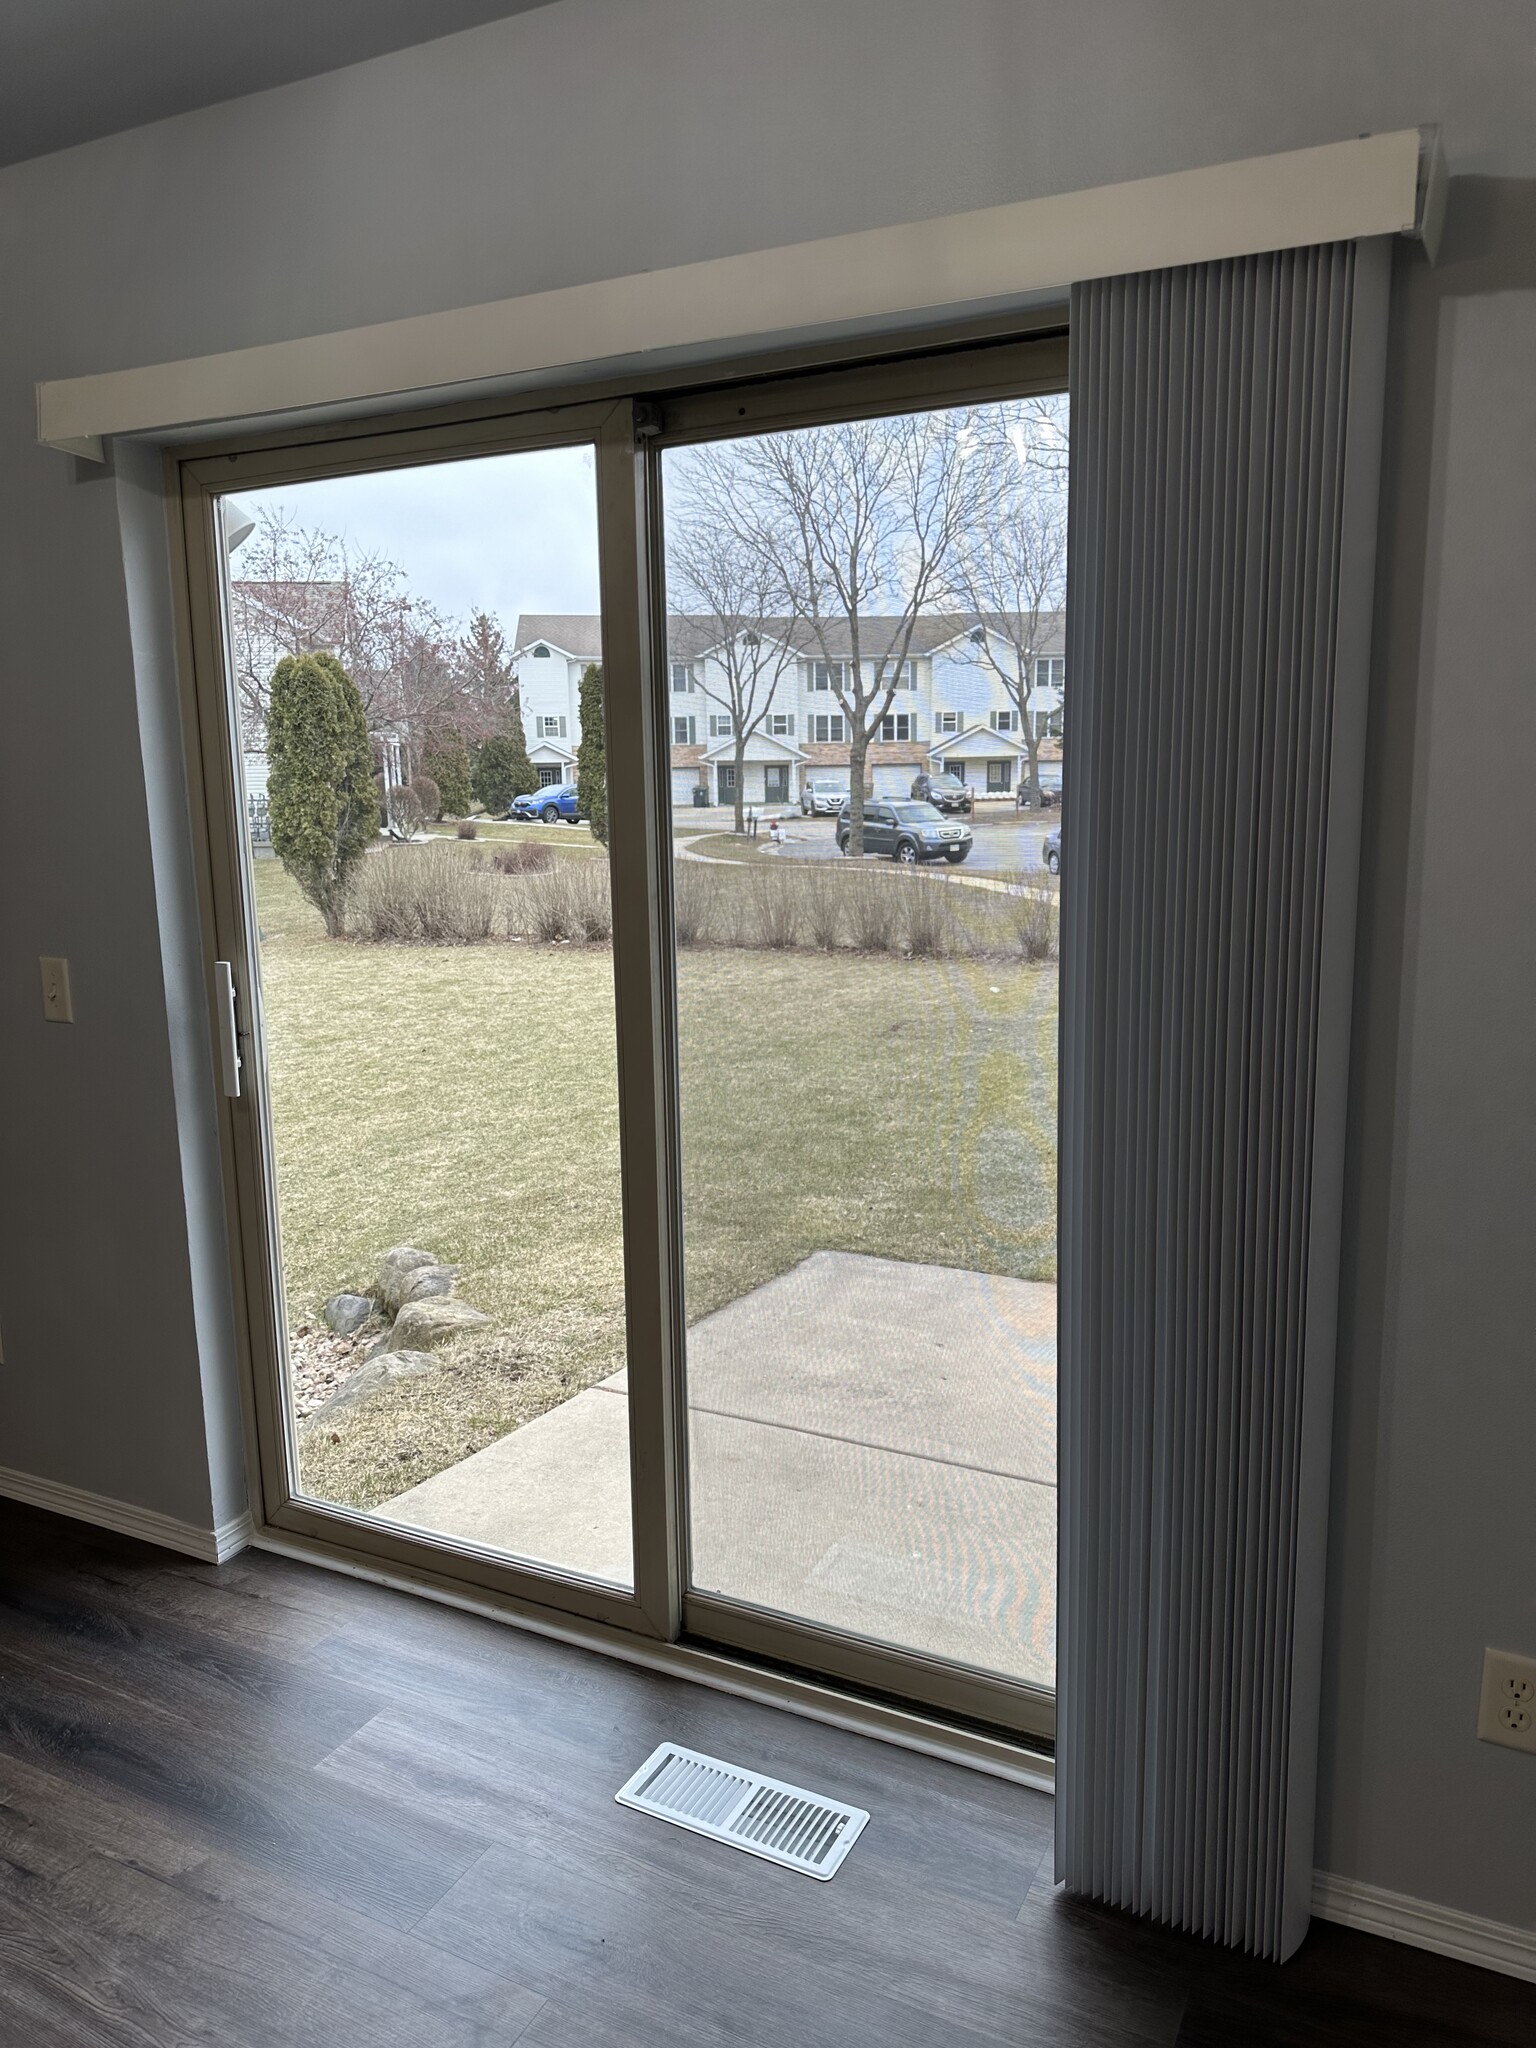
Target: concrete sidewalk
x=872 y=1448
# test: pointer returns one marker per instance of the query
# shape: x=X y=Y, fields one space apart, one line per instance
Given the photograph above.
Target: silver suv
x=822 y=794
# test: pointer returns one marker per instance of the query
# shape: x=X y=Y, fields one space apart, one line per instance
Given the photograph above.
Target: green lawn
x=465 y=1099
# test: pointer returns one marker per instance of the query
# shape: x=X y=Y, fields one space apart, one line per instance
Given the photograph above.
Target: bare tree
x=285 y=599
x=301 y=590
x=732 y=588
x=851 y=516
x=1010 y=568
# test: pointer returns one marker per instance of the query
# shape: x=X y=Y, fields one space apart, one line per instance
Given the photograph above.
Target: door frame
x=627 y=424
x=203 y=477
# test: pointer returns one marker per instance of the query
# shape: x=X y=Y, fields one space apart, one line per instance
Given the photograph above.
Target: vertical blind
x=1224 y=470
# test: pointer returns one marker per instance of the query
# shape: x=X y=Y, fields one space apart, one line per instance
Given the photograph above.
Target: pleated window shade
x=1224 y=473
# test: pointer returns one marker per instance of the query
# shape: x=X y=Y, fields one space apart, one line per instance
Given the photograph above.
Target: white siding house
x=550 y=653
x=952 y=707
x=979 y=709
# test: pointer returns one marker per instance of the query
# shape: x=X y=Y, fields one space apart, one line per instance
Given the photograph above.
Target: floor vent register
x=781 y=1823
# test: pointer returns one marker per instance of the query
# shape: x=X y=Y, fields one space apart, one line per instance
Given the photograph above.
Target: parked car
x=821 y=795
x=908 y=832
x=1048 y=797
x=945 y=792
x=556 y=801
x=1050 y=853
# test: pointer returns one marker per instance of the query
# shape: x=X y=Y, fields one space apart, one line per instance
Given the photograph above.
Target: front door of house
x=776 y=783
x=725 y=782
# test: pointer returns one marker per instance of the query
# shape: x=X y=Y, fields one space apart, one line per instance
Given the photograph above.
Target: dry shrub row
x=568 y=901
x=830 y=908
x=423 y=895
x=525 y=858
x=436 y=895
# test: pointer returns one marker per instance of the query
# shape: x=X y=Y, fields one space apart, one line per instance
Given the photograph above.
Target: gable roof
x=578 y=634
x=691 y=635
x=772 y=747
x=978 y=739
x=1050 y=638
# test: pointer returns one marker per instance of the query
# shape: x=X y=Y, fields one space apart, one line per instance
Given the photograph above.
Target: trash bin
x=700 y=797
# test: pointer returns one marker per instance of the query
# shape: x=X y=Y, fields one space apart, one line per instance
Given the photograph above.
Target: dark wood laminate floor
x=263 y=1804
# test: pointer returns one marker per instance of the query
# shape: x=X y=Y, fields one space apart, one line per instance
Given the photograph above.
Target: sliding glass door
x=864 y=626
x=637 y=1004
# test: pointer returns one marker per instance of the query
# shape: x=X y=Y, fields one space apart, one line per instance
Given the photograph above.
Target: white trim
x=906 y=1727
x=785 y=755
x=987 y=743
x=525 y=652
x=995 y=255
x=1491 y=1944
x=213 y=1546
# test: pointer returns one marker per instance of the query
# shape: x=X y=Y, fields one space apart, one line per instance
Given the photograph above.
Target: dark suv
x=946 y=792
x=908 y=832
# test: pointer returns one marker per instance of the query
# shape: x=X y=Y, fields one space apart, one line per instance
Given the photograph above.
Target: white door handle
x=229 y=1042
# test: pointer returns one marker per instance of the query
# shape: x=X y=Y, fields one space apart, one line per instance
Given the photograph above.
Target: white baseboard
x=1489 y=1943
x=213 y=1546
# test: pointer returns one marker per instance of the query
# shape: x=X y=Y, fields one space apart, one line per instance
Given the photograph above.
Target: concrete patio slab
x=927 y=1360
x=872 y=1448
x=555 y=1492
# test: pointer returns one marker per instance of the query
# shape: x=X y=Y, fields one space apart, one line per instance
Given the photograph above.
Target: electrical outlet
x=1507 y=1710
x=58 y=1007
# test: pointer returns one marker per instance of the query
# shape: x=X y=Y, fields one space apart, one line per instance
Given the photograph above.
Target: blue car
x=557 y=801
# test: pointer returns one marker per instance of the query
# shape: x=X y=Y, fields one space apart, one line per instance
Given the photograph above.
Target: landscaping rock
x=345 y=1313
x=422 y=1325
x=371 y=1379
x=427 y=1282
x=395 y=1269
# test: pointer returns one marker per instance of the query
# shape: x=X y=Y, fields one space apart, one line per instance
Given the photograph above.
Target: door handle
x=229 y=1037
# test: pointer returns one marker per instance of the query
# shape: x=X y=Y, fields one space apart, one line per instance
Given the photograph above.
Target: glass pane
x=416 y=661
x=867 y=990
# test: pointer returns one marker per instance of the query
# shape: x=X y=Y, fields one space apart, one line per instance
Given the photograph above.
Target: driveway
x=872 y=1449
x=1003 y=841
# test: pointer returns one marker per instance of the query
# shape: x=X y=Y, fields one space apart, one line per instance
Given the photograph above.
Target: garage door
x=684 y=782
x=891 y=784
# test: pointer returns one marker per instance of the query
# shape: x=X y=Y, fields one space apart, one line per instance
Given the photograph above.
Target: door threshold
x=814 y=1699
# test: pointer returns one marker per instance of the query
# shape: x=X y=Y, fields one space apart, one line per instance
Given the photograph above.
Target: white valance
x=1342 y=191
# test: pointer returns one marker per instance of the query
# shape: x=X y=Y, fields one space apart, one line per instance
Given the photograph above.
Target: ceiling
x=71 y=70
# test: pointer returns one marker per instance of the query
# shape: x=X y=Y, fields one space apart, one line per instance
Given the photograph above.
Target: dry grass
x=465 y=1099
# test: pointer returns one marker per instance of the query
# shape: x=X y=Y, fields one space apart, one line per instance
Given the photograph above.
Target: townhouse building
x=952 y=707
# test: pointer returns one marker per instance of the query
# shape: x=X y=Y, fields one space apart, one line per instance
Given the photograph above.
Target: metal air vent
x=781 y=1823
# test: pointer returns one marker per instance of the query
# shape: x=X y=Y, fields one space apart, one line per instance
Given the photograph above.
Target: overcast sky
x=502 y=533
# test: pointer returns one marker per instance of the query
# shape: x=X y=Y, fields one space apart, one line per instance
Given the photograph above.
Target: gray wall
x=600 y=136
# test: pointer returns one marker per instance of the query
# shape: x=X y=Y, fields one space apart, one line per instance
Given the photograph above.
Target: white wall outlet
x=1507 y=1710
x=58 y=1005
